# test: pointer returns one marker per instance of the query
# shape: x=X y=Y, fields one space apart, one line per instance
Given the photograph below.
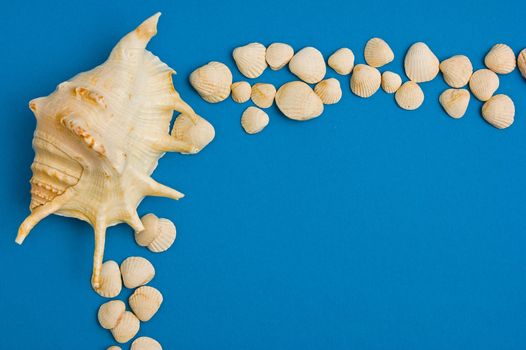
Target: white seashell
x=521 y=62
x=194 y=130
x=110 y=313
x=500 y=59
x=127 y=328
x=136 y=271
x=145 y=302
x=254 y=120
x=420 y=63
x=457 y=70
x=145 y=343
x=241 y=91
x=483 y=84
x=342 y=61
x=278 y=55
x=113 y=347
x=296 y=100
x=499 y=111
x=455 y=102
x=377 y=53
x=158 y=234
x=308 y=65
x=365 y=80
x=250 y=59
x=263 y=95
x=391 y=82
x=409 y=96
x=329 y=91
x=212 y=81
x=110 y=280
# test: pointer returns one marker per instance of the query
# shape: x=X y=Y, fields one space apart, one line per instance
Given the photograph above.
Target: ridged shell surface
x=194 y=130
x=500 y=59
x=263 y=95
x=145 y=302
x=308 y=65
x=329 y=91
x=391 y=82
x=456 y=70
x=409 y=96
x=455 y=102
x=145 y=343
x=250 y=59
x=212 y=81
x=521 y=62
x=483 y=84
x=110 y=313
x=365 y=80
x=499 y=111
x=278 y=55
x=420 y=63
x=254 y=120
x=127 y=327
x=377 y=53
x=342 y=61
x=136 y=271
x=158 y=234
x=297 y=101
x=110 y=280
x=241 y=91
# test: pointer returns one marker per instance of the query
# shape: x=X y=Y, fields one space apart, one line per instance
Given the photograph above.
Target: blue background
x=368 y=228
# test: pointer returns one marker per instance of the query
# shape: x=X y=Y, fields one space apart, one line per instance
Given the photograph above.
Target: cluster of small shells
x=300 y=101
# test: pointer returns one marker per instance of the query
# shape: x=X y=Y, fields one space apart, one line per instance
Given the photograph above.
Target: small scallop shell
x=457 y=70
x=110 y=280
x=521 y=62
x=263 y=95
x=500 y=59
x=342 y=61
x=250 y=59
x=136 y=271
x=308 y=65
x=110 y=313
x=420 y=63
x=241 y=91
x=145 y=343
x=391 y=82
x=499 y=111
x=377 y=53
x=114 y=347
x=296 y=100
x=194 y=130
x=329 y=91
x=158 y=234
x=409 y=96
x=212 y=81
x=365 y=80
x=127 y=328
x=278 y=55
x=455 y=102
x=145 y=302
x=483 y=84
x=254 y=120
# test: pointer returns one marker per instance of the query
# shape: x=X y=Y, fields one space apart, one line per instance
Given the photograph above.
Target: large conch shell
x=99 y=137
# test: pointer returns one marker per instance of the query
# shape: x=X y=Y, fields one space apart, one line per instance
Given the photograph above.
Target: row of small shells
x=298 y=101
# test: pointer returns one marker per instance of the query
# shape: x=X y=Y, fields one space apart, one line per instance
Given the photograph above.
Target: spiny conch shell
x=455 y=102
x=145 y=343
x=158 y=234
x=278 y=55
x=136 y=271
x=127 y=327
x=365 y=80
x=342 y=61
x=499 y=111
x=254 y=120
x=110 y=313
x=456 y=70
x=521 y=62
x=409 y=96
x=241 y=91
x=329 y=91
x=377 y=53
x=110 y=280
x=194 y=130
x=308 y=65
x=297 y=101
x=500 y=59
x=391 y=82
x=420 y=63
x=483 y=84
x=100 y=136
x=250 y=59
x=145 y=302
x=212 y=81
x=263 y=95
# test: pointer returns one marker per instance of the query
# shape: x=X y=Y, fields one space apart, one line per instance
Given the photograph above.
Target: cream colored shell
x=263 y=95
x=391 y=82
x=193 y=130
x=500 y=59
x=158 y=234
x=455 y=102
x=278 y=55
x=377 y=53
x=499 y=111
x=110 y=280
x=110 y=313
x=308 y=65
x=250 y=59
x=342 y=61
x=483 y=84
x=365 y=80
x=212 y=81
x=114 y=347
x=521 y=62
x=409 y=96
x=329 y=91
x=456 y=70
x=254 y=120
x=136 y=271
x=145 y=343
x=420 y=63
x=241 y=91
x=297 y=101
x=145 y=302
x=127 y=327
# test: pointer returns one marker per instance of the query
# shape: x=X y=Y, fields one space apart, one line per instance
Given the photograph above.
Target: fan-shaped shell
x=365 y=80
x=342 y=61
x=145 y=343
x=212 y=81
x=391 y=82
x=194 y=130
x=136 y=271
x=483 y=84
x=420 y=63
x=250 y=59
x=499 y=111
x=457 y=70
x=127 y=328
x=377 y=53
x=409 y=96
x=278 y=55
x=145 y=302
x=241 y=91
x=308 y=65
x=263 y=95
x=254 y=120
x=500 y=59
x=158 y=234
x=110 y=280
x=296 y=100
x=329 y=91
x=110 y=313
x=455 y=102
x=521 y=62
